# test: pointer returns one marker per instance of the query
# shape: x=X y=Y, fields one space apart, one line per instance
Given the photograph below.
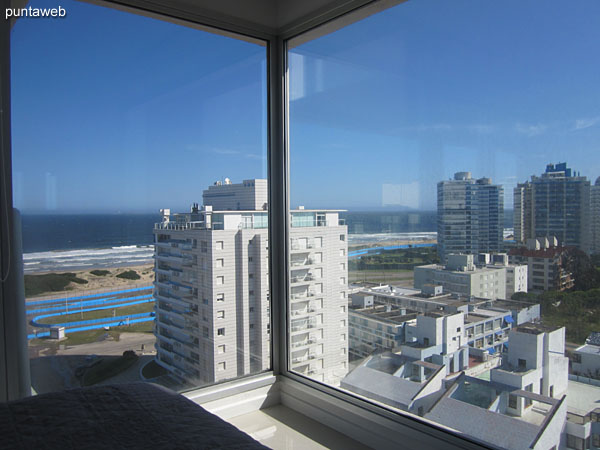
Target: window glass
x=449 y=153
x=130 y=135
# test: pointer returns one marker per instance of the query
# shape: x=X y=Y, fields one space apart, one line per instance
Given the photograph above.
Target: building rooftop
x=387 y=313
x=471 y=397
x=483 y=314
x=582 y=398
x=535 y=328
x=542 y=253
x=589 y=349
x=380 y=378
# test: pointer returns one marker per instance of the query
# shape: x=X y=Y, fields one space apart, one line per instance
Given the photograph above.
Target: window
x=221 y=349
x=220 y=297
x=220 y=280
x=221 y=366
x=220 y=314
x=221 y=332
x=347 y=95
x=94 y=198
x=512 y=401
x=522 y=363
x=575 y=442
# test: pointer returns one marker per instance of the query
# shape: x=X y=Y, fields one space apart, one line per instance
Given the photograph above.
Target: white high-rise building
x=470 y=215
x=212 y=292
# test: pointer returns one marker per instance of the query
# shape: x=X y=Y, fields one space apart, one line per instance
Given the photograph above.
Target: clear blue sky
x=116 y=112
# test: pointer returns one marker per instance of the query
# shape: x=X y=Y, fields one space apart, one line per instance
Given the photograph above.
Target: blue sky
x=148 y=114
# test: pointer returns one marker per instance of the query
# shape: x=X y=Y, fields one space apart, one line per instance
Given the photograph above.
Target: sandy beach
x=103 y=283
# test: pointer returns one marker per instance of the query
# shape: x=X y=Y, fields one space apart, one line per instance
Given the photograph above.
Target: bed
x=126 y=416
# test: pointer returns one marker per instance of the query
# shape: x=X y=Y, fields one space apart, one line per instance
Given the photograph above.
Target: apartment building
x=554 y=204
x=547 y=264
x=212 y=292
x=516 y=274
x=375 y=328
x=460 y=275
x=470 y=215
x=595 y=216
x=586 y=358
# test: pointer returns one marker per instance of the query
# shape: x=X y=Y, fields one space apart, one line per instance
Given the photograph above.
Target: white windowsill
x=393 y=431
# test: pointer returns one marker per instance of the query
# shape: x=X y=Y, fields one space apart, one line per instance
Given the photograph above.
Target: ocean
x=65 y=242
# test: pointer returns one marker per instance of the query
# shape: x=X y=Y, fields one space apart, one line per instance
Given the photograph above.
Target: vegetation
x=399 y=259
x=129 y=275
x=109 y=368
x=99 y=313
x=100 y=273
x=50 y=282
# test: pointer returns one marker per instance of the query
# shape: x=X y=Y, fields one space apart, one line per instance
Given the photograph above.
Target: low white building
x=516 y=274
x=438 y=338
x=524 y=404
x=586 y=359
x=397 y=380
x=535 y=361
x=375 y=328
x=460 y=275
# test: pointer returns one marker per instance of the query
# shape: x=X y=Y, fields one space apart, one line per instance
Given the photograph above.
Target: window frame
x=380 y=425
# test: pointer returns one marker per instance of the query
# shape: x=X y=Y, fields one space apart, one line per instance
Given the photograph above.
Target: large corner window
x=139 y=168
x=444 y=202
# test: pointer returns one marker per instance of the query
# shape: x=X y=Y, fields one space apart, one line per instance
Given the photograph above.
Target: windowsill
x=374 y=427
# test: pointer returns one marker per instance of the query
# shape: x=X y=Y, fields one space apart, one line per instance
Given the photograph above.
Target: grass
x=100 y=273
x=50 y=282
x=91 y=336
x=99 y=314
x=153 y=370
x=129 y=275
x=380 y=276
x=108 y=368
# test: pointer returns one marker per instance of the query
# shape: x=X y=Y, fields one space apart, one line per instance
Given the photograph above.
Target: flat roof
x=582 y=398
x=535 y=328
x=589 y=349
x=380 y=312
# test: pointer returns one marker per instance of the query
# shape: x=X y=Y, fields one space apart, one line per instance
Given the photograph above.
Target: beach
x=96 y=283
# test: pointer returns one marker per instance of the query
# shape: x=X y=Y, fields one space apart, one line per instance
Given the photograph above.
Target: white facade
x=212 y=293
x=319 y=296
x=535 y=361
x=464 y=278
x=376 y=328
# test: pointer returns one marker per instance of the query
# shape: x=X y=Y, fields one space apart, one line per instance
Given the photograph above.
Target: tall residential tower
x=595 y=219
x=212 y=292
x=470 y=215
x=554 y=204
